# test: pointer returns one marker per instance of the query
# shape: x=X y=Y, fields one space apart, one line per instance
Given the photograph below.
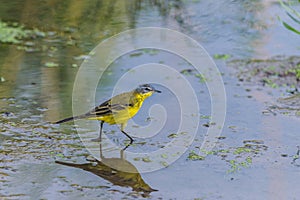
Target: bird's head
x=146 y=90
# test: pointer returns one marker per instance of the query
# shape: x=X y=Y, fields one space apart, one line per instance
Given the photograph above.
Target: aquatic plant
x=11 y=34
x=293 y=14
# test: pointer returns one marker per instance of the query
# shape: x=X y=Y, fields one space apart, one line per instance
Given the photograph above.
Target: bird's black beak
x=158 y=91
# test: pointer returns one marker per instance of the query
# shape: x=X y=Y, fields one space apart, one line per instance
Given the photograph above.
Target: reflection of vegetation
x=175 y=8
x=16 y=33
x=51 y=64
x=2 y=79
x=12 y=34
x=293 y=14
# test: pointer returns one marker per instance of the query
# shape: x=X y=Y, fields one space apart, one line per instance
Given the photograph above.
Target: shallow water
x=256 y=156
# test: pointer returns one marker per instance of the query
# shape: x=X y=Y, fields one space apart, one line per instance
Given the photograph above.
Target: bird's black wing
x=106 y=108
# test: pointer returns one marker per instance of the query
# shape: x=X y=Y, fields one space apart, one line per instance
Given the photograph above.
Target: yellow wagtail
x=119 y=109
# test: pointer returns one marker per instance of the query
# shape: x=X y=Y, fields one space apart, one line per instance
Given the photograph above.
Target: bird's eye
x=147 y=89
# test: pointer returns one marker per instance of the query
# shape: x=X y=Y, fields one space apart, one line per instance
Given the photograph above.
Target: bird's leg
x=100 y=133
x=131 y=140
x=100 y=136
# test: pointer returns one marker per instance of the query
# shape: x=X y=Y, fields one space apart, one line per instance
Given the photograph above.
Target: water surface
x=254 y=158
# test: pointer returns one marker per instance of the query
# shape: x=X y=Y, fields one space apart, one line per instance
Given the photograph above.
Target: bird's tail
x=70 y=119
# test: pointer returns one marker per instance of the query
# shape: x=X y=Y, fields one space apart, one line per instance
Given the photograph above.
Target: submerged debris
x=296 y=157
x=237 y=157
x=289 y=106
x=194 y=156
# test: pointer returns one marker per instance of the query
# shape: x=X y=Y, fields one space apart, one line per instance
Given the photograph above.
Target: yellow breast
x=131 y=104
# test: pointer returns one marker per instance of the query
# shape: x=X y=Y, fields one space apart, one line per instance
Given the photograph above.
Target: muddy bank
x=279 y=77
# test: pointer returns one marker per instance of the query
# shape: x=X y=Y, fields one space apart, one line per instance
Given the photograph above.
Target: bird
x=118 y=110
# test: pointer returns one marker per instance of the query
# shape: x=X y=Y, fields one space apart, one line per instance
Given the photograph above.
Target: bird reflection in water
x=118 y=171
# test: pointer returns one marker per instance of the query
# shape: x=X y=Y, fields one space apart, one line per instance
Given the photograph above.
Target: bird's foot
x=130 y=143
